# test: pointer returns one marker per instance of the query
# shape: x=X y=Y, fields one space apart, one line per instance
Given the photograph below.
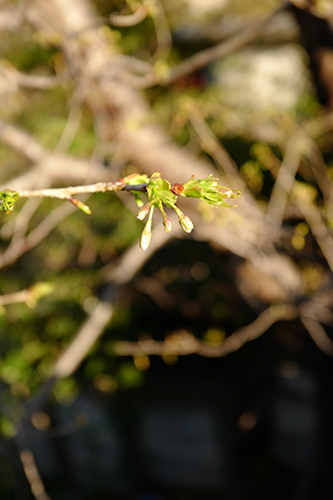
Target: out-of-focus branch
x=21 y=142
x=56 y=165
x=163 y=35
x=73 y=123
x=318 y=334
x=212 y=54
x=11 y=19
x=183 y=343
x=284 y=183
x=129 y=20
x=27 y=296
x=29 y=81
x=32 y=475
x=120 y=273
x=13 y=252
x=319 y=230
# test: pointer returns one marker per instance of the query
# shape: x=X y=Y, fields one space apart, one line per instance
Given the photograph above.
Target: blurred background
x=201 y=368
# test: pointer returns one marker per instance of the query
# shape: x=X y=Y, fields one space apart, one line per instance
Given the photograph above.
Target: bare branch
x=207 y=56
x=284 y=182
x=163 y=35
x=318 y=334
x=11 y=19
x=29 y=81
x=184 y=343
x=319 y=230
x=32 y=475
x=13 y=252
x=67 y=192
x=130 y=20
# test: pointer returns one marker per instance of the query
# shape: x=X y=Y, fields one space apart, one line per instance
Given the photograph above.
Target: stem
x=67 y=192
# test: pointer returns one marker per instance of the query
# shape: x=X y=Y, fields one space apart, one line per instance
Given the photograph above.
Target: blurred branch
x=11 y=19
x=29 y=81
x=13 y=252
x=129 y=20
x=21 y=142
x=183 y=343
x=121 y=273
x=319 y=230
x=32 y=475
x=27 y=296
x=318 y=334
x=284 y=182
x=162 y=30
x=73 y=123
x=212 y=54
x=57 y=165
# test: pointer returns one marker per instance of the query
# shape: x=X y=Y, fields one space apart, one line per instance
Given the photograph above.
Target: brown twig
x=30 y=81
x=129 y=20
x=183 y=343
x=32 y=475
x=212 y=54
x=68 y=192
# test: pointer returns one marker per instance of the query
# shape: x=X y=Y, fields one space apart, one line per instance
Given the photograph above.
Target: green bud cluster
x=8 y=198
x=161 y=193
x=207 y=190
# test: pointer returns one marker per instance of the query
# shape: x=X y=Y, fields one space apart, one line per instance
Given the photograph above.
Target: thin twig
x=162 y=30
x=13 y=252
x=29 y=81
x=32 y=475
x=184 y=343
x=284 y=183
x=67 y=192
x=212 y=54
x=23 y=296
x=319 y=230
x=129 y=20
x=318 y=334
x=73 y=123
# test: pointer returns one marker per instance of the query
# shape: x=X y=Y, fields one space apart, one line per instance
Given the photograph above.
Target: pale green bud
x=146 y=233
x=184 y=221
x=143 y=212
x=186 y=224
x=145 y=239
x=167 y=224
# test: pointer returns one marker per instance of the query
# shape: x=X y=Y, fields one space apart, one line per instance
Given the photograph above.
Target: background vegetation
x=201 y=367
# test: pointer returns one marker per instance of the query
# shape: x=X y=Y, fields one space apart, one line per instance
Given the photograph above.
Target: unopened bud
x=186 y=224
x=184 y=221
x=143 y=211
x=79 y=204
x=145 y=239
x=167 y=224
x=146 y=233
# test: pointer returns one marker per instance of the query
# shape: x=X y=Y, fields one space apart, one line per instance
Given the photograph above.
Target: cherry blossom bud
x=143 y=211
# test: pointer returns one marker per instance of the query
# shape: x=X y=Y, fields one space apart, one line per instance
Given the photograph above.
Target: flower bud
x=186 y=224
x=167 y=224
x=145 y=239
x=146 y=233
x=184 y=221
x=143 y=211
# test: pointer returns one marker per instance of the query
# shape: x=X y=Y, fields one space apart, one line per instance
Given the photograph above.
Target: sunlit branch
x=32 y=475
x=212 y=54
x=163 y=35
x=183 y=343
x=129 y=20
x=67 y=192
x=29 y=81
x=284 y=182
